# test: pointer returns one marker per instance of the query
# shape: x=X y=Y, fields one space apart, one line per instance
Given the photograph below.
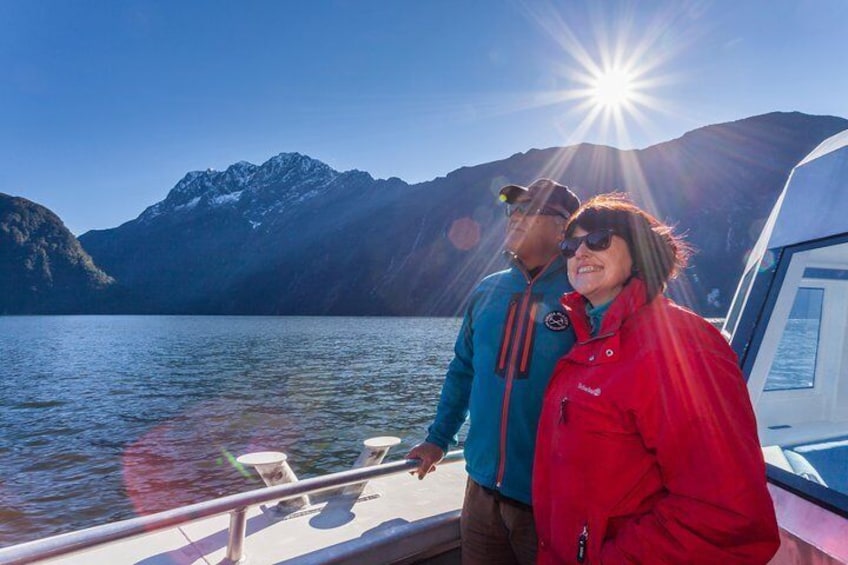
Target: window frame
x=752 y=321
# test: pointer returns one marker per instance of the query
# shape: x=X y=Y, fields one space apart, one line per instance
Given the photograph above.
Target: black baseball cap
x=545 y=192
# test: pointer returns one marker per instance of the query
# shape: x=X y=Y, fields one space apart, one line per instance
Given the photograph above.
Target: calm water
x=105 y=418
x=794 y=364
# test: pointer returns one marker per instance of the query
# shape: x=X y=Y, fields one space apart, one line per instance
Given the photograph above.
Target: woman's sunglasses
x=597 y=240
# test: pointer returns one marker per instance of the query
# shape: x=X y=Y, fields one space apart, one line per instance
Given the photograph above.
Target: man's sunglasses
x=597 y=240
x=530 y=209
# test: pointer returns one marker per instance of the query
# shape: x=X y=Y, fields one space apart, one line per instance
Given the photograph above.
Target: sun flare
x=612 y=89
x=609 y=75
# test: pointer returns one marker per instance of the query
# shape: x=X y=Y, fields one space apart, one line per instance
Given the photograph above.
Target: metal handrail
x=64 y=544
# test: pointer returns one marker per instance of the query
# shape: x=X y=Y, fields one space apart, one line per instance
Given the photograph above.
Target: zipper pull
x=563 y=410
x=581 y=544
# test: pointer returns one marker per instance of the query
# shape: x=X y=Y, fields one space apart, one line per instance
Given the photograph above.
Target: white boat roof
x=813 y=202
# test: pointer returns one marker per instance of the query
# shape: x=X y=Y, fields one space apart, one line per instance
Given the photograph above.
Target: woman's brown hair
x=658 y=254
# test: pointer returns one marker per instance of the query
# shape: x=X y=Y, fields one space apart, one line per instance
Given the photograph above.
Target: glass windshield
x=799 y=381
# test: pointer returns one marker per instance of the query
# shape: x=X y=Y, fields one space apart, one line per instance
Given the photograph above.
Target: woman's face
x=600 y=275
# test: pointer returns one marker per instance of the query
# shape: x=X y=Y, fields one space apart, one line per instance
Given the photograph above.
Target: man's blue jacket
x=513 y=333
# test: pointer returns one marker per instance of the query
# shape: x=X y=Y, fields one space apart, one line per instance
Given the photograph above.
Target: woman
x=647 y=448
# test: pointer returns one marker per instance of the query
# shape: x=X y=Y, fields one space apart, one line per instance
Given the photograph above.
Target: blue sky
x=105 y=105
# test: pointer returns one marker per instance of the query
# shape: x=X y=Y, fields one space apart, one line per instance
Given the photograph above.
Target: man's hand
x=429 y=454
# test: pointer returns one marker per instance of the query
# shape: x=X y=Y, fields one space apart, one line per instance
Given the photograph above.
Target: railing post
x=373 y=452
x=274 y=469
x=238 y=526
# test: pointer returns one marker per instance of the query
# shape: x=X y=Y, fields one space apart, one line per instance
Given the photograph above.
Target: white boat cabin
x=789 y=326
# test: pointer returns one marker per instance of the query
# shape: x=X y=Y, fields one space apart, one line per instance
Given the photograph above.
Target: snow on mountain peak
x=295 y=162
x=300 y=177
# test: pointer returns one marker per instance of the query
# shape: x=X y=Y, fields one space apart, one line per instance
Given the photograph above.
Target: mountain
x=293 y=236
x=43 y=268
x=192 y=252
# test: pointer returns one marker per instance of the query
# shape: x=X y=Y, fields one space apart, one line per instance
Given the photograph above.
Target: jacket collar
x=555 y=265
x=632 y=297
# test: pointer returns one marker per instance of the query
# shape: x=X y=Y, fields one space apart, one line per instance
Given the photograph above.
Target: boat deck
x=396 y=519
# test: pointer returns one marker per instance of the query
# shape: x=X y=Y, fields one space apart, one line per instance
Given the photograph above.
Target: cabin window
x=794 y=365
x=798 y=375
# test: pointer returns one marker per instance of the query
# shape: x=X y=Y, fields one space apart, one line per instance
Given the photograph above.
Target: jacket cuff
x=437 y=442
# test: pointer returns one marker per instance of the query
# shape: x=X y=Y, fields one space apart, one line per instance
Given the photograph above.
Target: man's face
x=533 y=235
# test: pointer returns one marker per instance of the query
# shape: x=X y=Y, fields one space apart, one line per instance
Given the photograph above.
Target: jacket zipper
x=582 y=540
x=510 y=371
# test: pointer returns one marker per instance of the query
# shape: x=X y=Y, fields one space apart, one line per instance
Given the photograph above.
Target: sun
x=612 y=94
x=612 y=89
x=610 y=77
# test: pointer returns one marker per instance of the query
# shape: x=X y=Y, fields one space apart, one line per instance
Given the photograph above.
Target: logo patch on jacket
x=593 y=391
x=557 y=321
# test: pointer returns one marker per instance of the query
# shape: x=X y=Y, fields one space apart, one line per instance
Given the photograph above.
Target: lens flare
x=231 y=459
x=609 y=68
x=191 y=456
x=613 y=89
x=608 y=73
x=464 y=234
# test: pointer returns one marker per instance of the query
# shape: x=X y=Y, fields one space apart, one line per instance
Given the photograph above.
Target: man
x=513 y=333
